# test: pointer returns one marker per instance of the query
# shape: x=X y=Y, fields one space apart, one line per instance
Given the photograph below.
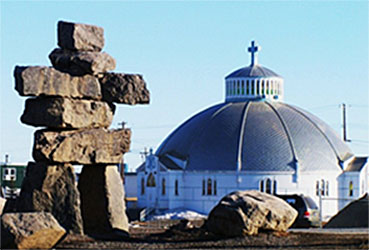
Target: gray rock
x=2 y=205
x=59 y=112
x=30 y=231
x=108 y=216
x=77 y=36
x=37 y=81
x=88 y=146
x=81 y=62
x=124 y=88
x=245 y=212
x=52 y=188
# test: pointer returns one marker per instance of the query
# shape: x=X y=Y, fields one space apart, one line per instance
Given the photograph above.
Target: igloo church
x=252 y=140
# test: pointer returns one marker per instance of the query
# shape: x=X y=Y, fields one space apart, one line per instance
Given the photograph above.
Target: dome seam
x=318 y=128
x=242 y=132
x=286 y=130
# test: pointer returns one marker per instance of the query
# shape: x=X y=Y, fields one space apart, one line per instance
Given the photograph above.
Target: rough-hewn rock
x=30 y=231
x=108 y=216
x=245 y=212
x=77 y=36
x=90 y=146
x=2 y=205
x=38 y=80
x=52 y=188
x=81 y=62
x=124 y=88
x=59 y=112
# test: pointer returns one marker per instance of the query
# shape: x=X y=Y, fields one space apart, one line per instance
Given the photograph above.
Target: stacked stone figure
x=73 y=101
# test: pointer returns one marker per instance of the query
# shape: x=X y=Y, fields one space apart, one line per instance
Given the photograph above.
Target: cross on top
x=253 y=49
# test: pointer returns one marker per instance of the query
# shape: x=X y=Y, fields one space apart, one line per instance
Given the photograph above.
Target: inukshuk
x=74 y=101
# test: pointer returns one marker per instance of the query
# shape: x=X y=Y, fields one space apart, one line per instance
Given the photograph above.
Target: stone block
x=245 y=212
x=59 y=112
x=81 y=62
x=89 y=146
x=124 y=88
x=30 y=231
x=107 y=217
x=78 y=36
x=47 y=81
x=52 y=188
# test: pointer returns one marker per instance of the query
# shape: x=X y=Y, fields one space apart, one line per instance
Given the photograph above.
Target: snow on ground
x=178 y=214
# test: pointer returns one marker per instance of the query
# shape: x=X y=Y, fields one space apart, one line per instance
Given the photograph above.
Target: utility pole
x=344 y=123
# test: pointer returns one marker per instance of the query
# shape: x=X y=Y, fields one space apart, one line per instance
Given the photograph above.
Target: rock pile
x=73 y=100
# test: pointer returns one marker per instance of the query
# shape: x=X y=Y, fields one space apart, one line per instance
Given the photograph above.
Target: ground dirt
x=177 y=235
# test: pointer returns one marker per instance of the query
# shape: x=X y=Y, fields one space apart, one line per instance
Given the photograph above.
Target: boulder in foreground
x=59 y=112
x=106 y=218
x=247 y=212
x=47 y=81
x=124 y=88
x=52 y=188
x=30 y=230
x=354 y=215
x=78 y=36
x=81 y=62
x=87 y=146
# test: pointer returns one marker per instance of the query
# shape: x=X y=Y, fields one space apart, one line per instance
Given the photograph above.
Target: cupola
x=253 y=81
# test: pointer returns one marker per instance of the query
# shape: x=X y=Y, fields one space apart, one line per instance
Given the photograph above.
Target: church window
x=267 y=87
x=261 y=188
x=257 y=87
x=322 y=188
x=326 y=188
x=268 y=186
x=215 y=187
x=151 y=181
x=252 y=87
x=242 y=87
x=203 y=187
x=274 y=187
x=142 y=185
x=262 y=87
x=351 y=189
x=163 y=186
x=176 y=187
x=209 y=187
x=317 y=186
x=271 y=87
x=247 y=87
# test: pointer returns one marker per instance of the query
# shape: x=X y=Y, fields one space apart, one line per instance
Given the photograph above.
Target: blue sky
x=184 y=49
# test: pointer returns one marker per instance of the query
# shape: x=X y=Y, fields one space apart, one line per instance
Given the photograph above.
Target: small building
x=252 y=140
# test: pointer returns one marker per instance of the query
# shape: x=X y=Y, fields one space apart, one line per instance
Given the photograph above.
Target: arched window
x=176 y=187
x=271 y=87
x=261 y=187
x=215 y=187
x=351 y=189
x=151 y=181
x=274 y=187
x=142 y=185
x=242 y=87
x=247 y=87
x=203 y=187
x=209 y=186
x=322 y=187
x=252 y=87
x=163 y=186
x=267 y=87
x=257 y=87
x=326 y=188
x=268 y=186
x=317 y=188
